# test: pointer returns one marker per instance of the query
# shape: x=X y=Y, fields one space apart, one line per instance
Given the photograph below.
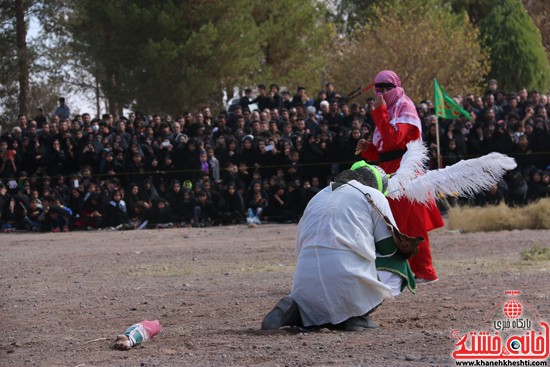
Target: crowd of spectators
x=261 y=159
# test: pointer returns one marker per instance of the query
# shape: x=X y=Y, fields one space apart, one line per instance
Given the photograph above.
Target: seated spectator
x=256 y=207
x=234 y=210
x=116 y=212
x=517 y=189
x=92 y=213
x=11 y=217
x=188 y=206
x=493 y=196
x=161 y=215
x=54 y=218
x=536 y=189
x=31 y=216
x=76 y=203
x=175 y=199
x=203 y=215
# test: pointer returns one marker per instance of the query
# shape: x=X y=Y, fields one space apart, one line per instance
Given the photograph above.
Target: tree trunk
x=22 y=56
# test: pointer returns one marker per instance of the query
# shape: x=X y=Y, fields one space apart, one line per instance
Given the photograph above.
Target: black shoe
x=359 y=323
x=285 y=313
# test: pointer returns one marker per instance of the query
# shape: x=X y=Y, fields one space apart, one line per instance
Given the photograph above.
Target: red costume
x=397 y=123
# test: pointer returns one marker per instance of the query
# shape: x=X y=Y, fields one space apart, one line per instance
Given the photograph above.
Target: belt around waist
x=391 y=155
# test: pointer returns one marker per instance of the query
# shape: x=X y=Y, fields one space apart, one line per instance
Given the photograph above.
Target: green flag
x=445 y=106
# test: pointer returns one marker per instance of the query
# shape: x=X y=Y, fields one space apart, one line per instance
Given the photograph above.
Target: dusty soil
x=65 y=297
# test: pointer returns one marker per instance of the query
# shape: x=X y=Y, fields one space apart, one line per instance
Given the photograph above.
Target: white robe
x=336 y=276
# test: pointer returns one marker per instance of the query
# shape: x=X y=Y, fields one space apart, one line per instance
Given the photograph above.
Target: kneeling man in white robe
x=347 y=262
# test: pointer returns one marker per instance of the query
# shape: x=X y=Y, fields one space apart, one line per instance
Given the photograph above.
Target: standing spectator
x=489 y=104
x=262 y=100
x=40 y=118
x=62 y=111
x=245 y=100
x=275 y=99
x=301 y=99
x=8 y=168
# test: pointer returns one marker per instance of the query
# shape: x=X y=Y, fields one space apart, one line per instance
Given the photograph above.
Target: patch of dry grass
x=499 y=218
x=537 y=253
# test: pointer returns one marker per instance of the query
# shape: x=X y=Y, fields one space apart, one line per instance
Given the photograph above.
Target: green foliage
x=296 y=42
x=8 y=64
x=539 y=10
x=420 y=40
x=517 y=55
x=172 y=56
x=348 y=15
x=477 y=10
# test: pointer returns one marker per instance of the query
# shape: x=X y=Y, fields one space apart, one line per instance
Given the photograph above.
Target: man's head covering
x=366 y=174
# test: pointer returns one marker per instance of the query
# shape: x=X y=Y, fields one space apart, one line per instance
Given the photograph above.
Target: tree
x=296 y=42
x=25 y=69
x=176 y=55
x=420 y=40
x=517 y=55
x=22 y=55
x=8 y=64
x=477 y=9
x=347 y=15
x=539 y=10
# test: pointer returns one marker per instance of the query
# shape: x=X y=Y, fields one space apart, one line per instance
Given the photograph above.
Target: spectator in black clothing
x=277 y=201
x=175 y=200
x=334 y=118
x=188 y=206
x=301 y=99
x=262 y=100
x=92 y=214
x=221 y=129
x=245 y=100
x=12 y=217
x=149 y=192
x=75 y=202
x=31 y=216
x=256 y=207
x=501 y=141
x=116 y=212
x=161 y=215
x=451 y=154
x=489 y=104
x=536 y=188
x=53 y=218
x=203 y=215
x=295 y=169
x=234 y=209
x=517 y=189
x=493 y=196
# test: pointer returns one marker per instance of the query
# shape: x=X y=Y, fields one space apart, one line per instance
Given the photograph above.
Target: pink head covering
x=392 y=96
x=401 y=109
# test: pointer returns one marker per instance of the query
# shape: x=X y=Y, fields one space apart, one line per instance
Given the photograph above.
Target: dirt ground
x=65 y=296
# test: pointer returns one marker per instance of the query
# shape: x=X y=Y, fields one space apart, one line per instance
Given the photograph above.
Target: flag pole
x=437 y=141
